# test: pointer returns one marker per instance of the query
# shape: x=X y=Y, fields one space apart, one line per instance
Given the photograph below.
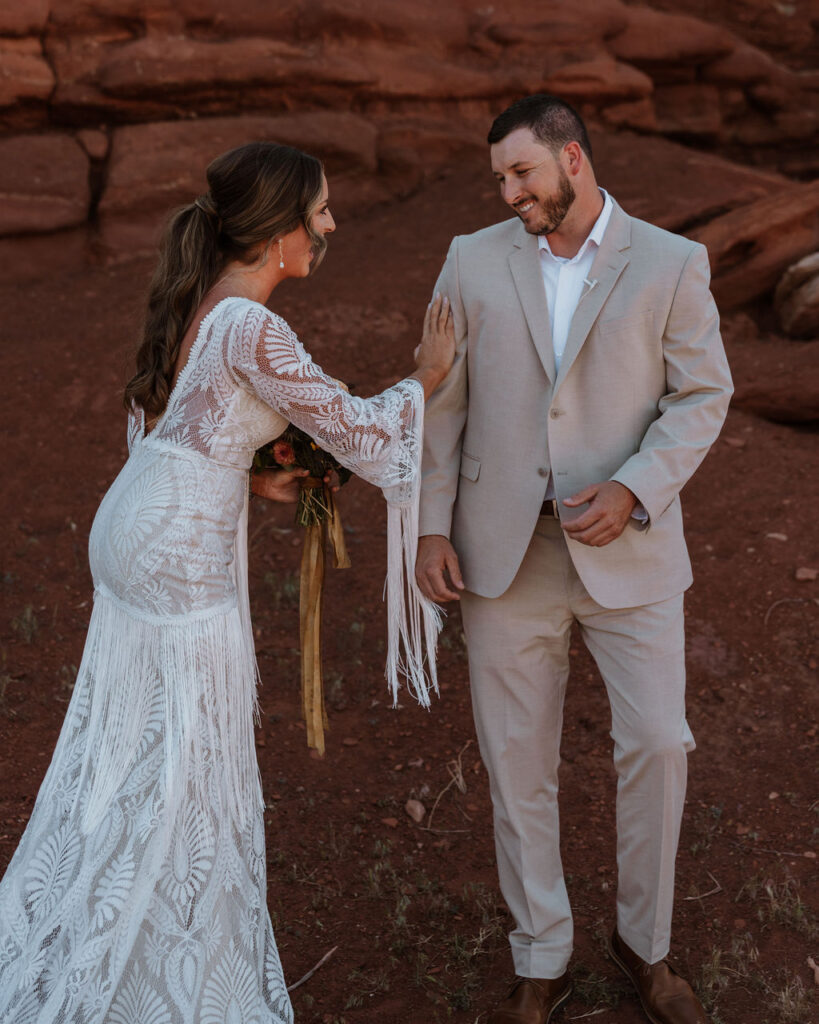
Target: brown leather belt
x=549 y=508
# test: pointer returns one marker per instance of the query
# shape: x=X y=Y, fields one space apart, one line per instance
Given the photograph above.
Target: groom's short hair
x=551 y=120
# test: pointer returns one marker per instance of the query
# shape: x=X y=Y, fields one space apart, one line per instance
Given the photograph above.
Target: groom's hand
x=437 y=570
x=610 y=506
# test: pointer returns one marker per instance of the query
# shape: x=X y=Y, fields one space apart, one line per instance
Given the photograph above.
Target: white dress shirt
x=565 y=281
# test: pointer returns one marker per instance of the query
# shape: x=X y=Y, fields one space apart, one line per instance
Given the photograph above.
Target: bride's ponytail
x=258 y=193
x=189 y=260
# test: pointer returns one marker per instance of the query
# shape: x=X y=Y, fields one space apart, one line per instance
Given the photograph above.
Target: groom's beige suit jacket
x=641 y=393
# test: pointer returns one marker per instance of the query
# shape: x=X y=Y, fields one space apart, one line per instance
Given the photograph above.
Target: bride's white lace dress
x=137 y=893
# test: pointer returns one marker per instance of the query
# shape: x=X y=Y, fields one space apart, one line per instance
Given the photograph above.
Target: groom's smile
x=532 y=181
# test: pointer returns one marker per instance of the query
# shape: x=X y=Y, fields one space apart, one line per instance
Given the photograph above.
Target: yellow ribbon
x=310 y=599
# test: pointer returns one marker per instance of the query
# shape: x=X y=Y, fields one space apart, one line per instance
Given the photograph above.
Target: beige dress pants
x=519 y=663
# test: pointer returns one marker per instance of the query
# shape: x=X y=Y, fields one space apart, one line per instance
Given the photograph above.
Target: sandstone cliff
x=707 y=113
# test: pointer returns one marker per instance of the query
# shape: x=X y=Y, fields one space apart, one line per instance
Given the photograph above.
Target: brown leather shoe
x=665 y=996
x=532 y=1000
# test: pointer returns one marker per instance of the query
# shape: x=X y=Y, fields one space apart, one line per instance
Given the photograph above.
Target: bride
x=137 y=893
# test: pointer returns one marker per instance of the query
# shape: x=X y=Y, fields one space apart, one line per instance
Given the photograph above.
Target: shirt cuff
x=639 y=513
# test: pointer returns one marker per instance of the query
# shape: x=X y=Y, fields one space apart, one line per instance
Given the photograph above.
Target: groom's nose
x=510 y=192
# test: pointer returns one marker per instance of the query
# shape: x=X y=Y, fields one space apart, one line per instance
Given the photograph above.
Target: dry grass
x=783 y=998
x=780 y=903
x=26 y=625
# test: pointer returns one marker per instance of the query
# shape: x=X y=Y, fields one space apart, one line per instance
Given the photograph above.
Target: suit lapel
x=524 y=262
x=609 y=263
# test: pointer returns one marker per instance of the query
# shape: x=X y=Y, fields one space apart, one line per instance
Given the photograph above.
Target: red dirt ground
x=347 y=866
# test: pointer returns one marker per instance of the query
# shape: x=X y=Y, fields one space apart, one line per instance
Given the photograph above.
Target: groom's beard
x=554 y=209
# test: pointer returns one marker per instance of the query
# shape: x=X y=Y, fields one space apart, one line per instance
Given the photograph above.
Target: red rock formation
x=787 y=29
x=674 y=186
x=23 y=19
x=43 y=183
x=24 y=73
x=155 y=167
x=670 y=46
x=750 y=245
x=796 y=298
x=390 y=91
x=786 y=388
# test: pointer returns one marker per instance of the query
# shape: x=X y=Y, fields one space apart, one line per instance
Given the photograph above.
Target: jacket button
x=543 y=471
x=554 y=413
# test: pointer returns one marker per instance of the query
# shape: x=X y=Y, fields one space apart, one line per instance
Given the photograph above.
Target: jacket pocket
x=630 y=324
x=470 y=467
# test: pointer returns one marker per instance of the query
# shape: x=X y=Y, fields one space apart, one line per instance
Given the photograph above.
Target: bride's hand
x=435 y=354
x=277 y=484
x=283 y=485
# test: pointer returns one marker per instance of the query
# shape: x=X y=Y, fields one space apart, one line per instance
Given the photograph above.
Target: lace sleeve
x=378 y=438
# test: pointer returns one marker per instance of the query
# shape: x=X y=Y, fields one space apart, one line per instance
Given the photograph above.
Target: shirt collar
x=595 y=236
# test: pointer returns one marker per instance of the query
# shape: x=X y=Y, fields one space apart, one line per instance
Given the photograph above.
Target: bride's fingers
x=439 y=310
x=331 y=480
x=429 y=315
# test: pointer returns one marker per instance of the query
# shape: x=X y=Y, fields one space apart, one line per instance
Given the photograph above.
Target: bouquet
x=295 y=449
x=317 y=513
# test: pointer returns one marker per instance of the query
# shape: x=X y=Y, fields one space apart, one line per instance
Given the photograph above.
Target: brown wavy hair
x=257 y=193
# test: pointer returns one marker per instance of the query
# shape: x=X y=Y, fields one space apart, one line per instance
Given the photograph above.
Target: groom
x=589 y=382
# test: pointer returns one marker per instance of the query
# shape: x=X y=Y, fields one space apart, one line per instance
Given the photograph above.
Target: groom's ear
x=573 y=158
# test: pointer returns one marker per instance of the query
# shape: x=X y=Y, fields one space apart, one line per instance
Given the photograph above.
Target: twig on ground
x=463 y=814
x=312 y=970
x=815 y=968
x=782 y=600
x=456 y=778
x=447 y=831
x=456 y=769
x=764 y=849
x=591 y=1013
x=711 y=892
x=322 y=885
x=448 y=786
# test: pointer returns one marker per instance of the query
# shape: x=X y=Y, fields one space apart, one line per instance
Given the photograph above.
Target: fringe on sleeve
x=413 y=621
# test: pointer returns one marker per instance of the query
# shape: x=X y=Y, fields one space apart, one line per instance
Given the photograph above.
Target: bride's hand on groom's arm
x=436 y=352
x=437 y=570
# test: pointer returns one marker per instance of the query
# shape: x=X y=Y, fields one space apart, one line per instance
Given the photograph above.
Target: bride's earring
x=281 y=255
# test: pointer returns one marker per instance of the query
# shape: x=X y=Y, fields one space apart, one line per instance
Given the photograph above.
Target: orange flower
x=283 y=453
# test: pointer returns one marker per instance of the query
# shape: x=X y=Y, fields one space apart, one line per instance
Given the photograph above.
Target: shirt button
x=543 y=471
x=554 y=413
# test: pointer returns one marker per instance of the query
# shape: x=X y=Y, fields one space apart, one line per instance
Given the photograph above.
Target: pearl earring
x=281 y=255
